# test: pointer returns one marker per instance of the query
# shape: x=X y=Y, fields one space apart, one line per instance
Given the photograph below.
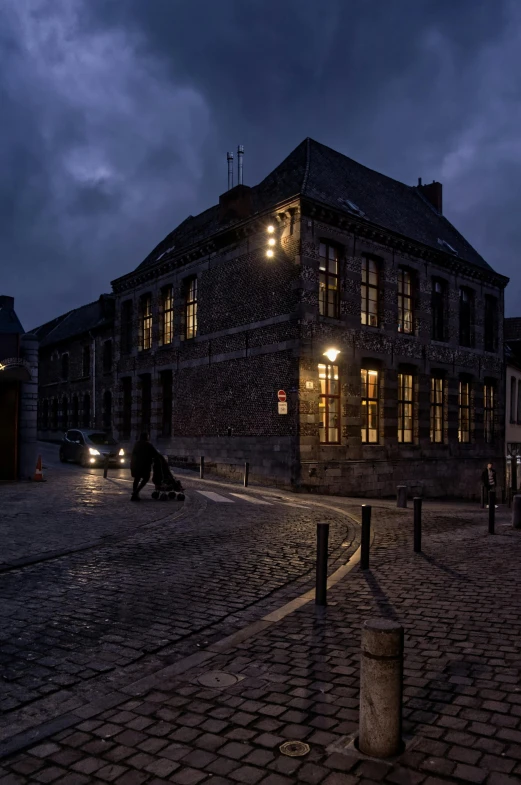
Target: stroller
x=165 y=484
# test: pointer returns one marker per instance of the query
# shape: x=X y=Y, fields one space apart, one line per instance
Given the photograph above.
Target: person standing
x=141 y=460
x=488 y=479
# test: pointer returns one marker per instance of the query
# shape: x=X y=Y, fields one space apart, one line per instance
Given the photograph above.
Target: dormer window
x=447 y=246
x=351 y=206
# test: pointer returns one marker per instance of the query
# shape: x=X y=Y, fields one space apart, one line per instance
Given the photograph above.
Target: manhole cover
x=217 y=679
x=294 y=749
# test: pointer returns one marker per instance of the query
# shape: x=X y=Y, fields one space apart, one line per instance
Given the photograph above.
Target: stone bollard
x=381 y=688
x=516 y=511
x=401 y=496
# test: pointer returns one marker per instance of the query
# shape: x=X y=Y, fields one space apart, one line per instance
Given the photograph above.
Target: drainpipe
x=93 y=379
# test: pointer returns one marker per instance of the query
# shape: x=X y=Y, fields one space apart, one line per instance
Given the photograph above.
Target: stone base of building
x=429 y=478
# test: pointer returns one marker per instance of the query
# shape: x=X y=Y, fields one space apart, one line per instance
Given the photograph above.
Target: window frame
x=167 y=315
x=462 y=408
x=403 y=298
x=437 y=409
x=167 y=401
x=326 y=397
x=108 y=354
x=325 y=276
x=145 y=322
x=365 y=289
x=65 y=364
x=191 y=307
x=86 y=361
x=402 y=403
x=490 y=324
x=489 y=397
x=368 y=400
x=466 y=339
x=439 y=309
x=127 y=315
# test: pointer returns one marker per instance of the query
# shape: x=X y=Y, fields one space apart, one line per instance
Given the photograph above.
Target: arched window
x=65 y=414
x=54 y=423
x=86 y=410
x=107 y=410
x=75 y=414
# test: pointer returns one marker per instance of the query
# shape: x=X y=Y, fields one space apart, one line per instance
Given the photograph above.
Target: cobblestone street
x=102 y=647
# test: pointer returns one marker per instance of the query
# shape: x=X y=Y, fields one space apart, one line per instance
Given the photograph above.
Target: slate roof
x=80 y=320
x=322 y=174
x=9 y=322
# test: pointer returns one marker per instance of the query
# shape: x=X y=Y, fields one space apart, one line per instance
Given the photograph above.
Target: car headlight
x=92 y=451
x=122 y=451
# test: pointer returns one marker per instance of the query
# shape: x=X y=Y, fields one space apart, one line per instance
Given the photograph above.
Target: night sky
x=117 y=116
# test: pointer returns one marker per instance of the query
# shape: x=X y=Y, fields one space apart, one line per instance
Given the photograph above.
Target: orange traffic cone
x=38 y=475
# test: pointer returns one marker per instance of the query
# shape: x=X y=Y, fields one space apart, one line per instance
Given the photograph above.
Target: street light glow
x=271 y=229
x=269 y=253
x=331 y=354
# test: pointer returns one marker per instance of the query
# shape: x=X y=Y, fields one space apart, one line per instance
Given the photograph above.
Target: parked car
x=90 y=448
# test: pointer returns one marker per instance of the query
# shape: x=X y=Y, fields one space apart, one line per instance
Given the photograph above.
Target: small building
x=76 y=370
x=18 y=396
x=329 y=325
x=513 y=401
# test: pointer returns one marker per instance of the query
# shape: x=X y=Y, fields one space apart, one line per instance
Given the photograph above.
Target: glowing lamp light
x=271 y=241
x=331 y=354
x=269 y=253
x=271 y=229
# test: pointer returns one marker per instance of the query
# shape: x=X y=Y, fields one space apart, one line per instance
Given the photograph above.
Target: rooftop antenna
x=230 y=170
x=240 y=153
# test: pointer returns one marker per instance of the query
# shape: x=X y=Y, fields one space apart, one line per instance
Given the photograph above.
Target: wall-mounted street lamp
x=331 y=354
x=270 y=252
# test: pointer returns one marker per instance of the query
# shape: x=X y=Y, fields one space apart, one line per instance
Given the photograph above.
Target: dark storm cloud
x=120 y=115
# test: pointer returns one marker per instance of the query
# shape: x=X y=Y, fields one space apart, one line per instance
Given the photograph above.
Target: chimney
x=235 y=204
x=230 y=170
x=6 y=302
x=433 y=193
x=240 y=154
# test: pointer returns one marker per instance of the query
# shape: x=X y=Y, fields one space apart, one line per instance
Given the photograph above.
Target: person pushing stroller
x=142 y=458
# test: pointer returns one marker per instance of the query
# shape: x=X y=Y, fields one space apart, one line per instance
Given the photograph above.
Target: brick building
x=512 y=337
x=76 y=369
x=324 y=255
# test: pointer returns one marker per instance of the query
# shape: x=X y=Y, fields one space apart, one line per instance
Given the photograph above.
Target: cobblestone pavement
x=298 y=678
x=97 y=592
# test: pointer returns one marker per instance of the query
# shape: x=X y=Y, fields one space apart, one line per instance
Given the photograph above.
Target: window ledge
x=330 y=319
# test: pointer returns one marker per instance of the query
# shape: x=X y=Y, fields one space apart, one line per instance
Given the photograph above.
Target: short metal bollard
x=417 y=524
x=401 y=496
x=322 y=552
x=491 y=511
x=246 y=474
x=201 y=467
x=516 y=511
x=381 y=689
x=106 y=467
x=366 y=536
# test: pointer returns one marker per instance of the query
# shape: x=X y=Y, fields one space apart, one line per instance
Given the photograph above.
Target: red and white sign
x=281 y=395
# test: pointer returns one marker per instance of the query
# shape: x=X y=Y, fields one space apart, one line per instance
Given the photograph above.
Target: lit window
x=146 y=322
x=405 y=408
x=369 y=292
x=191 y=308
x=488 y=412
x=329 y=301
x=464 y=412
x=167 y=315
x=437 y=409
x=369 y=406
x=329 y=404
x=405 y=323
